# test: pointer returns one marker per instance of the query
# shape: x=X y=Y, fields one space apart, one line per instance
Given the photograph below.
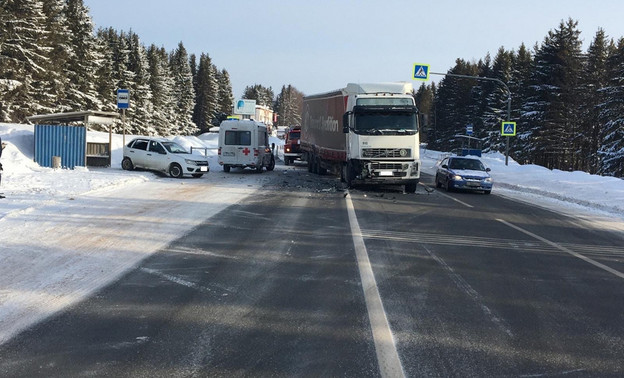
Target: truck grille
x=387 y=166
x=386 y=152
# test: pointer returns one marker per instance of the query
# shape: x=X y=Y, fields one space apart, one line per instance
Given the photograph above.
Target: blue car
x=465 y=173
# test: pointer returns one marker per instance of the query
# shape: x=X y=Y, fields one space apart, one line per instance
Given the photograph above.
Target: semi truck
x=366 y=133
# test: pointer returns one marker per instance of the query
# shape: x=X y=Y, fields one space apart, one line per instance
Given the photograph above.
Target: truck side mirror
x=345 y=122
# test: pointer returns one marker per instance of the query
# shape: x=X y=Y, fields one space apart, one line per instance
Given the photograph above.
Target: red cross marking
x=246 y=151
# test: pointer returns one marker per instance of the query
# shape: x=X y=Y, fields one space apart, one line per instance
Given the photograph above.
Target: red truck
x=292 y=146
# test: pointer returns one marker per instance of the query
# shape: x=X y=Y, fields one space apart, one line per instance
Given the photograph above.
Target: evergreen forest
x=52 y=60
x=568 y=103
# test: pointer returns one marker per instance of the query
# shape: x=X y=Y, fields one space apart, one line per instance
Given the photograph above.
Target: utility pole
x=508 y=100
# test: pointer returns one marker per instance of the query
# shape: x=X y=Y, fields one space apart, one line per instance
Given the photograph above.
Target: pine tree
x=497 y=99
x=207 y=93
x=183 y=92
x=453 y=100
x=81 y=65
x=519 y=85
x=289 y=105
x=263 y=96
x=612 y=116
x=225 y=98
x=554 y=104
x=424 y=99
x=53 y=90
x=141 y=109
x=594 y=81
x=161 y=85
x=105 y=81
x=23 y=57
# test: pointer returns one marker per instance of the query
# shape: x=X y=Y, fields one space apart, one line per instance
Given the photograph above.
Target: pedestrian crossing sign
x=421 y=71
x=508 y=129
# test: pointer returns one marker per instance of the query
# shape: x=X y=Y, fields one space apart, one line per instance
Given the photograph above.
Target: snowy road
x=62 y=250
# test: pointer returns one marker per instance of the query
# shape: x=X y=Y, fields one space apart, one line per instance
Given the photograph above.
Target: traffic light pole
x=508 y=99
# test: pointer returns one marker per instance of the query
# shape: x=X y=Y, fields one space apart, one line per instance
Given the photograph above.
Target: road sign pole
x=489 y=79
x=508 y=120
x=123 y=124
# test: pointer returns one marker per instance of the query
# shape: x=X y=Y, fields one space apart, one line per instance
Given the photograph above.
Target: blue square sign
x=123 y=98
x=421 y=72
x=508 y=129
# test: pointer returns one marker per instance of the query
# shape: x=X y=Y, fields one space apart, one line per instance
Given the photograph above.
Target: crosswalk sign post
x=421 y=71
x=508 y=129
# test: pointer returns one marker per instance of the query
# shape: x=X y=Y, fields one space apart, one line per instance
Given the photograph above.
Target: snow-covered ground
x=66 y=233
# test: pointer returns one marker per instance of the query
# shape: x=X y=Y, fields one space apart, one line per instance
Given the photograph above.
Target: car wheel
x=487 y=191
x=271 y=164
x=126 y=164
x=448 y=186
x=226 y=168
x=286 y=160
x=259 y=168
x=175 y=170
x=197 y=175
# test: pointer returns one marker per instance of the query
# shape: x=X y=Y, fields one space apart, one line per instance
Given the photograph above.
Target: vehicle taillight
x=219 y=151
x=256 y=152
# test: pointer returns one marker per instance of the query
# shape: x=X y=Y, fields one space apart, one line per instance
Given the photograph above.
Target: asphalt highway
x=469 y=285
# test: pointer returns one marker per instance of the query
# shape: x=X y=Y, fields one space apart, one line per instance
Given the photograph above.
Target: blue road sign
x=508 y=129
x=123 y=98
x=469 y=129
x=421 y=72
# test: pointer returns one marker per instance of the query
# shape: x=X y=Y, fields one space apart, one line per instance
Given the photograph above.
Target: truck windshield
x=386 y=123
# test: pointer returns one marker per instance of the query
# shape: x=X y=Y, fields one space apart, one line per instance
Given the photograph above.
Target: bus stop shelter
x=61 y=139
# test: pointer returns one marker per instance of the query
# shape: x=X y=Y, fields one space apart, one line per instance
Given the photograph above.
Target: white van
x=245 y=143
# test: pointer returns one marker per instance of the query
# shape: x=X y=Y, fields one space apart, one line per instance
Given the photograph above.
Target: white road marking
x=385 y=346
x=564 y=249
x=455 y=199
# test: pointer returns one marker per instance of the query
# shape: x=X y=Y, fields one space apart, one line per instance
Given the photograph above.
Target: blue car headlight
x=488 y=180
x=457 y=178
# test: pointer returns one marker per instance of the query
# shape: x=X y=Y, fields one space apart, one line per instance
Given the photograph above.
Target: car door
x=137 y=152
x=157 y=156
x=442 y=172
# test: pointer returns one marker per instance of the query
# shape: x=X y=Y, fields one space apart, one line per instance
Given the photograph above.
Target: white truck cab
x=245 y=143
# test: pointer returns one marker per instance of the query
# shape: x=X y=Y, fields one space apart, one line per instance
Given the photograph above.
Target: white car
x=163 y=155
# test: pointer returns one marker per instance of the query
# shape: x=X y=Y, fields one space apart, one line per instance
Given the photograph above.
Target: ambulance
x=245 y=143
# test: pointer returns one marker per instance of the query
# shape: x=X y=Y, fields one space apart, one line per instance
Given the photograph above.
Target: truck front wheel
x=410 y=187
x=347 y=174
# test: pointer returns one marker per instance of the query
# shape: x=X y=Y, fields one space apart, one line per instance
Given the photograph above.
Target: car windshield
x=469 y=164
x=174 y=148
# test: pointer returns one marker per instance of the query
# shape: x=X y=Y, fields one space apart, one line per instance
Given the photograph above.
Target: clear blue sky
x=321 y=45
